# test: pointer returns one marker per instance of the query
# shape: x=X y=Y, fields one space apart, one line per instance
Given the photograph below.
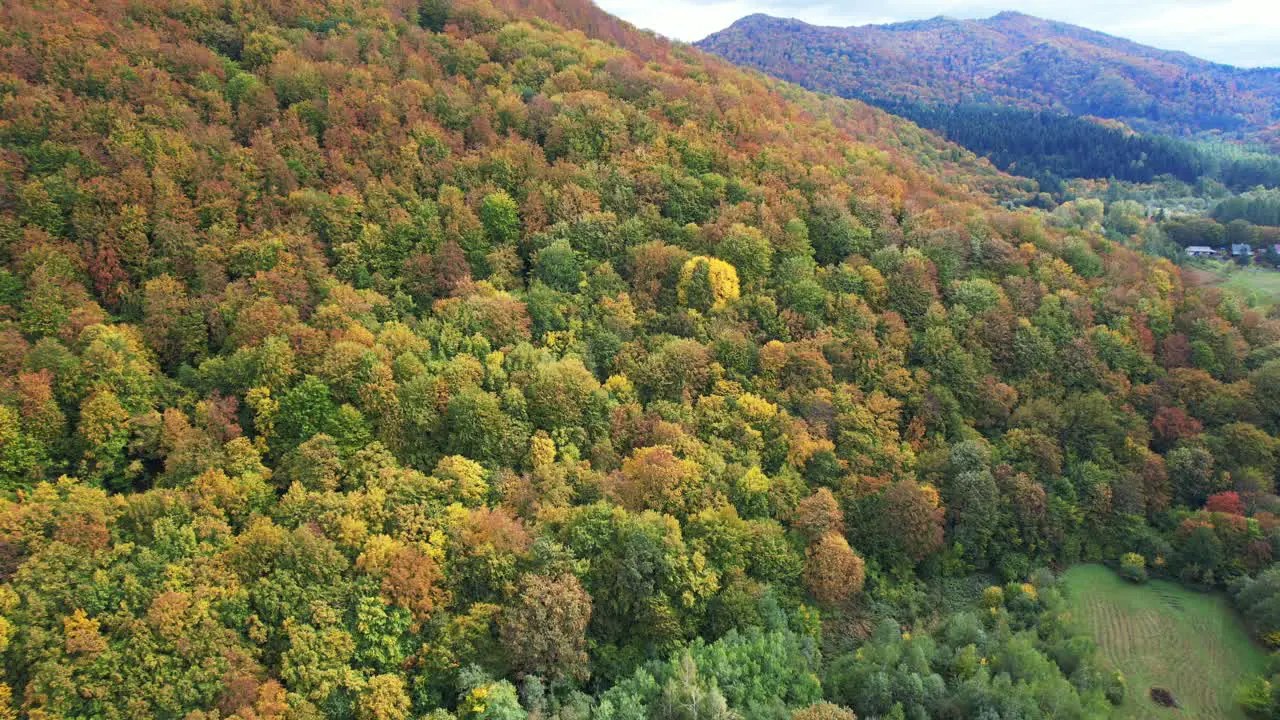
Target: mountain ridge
x=1014 y=59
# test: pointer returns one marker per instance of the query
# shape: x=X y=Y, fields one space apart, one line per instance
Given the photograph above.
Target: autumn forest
x=386 y=359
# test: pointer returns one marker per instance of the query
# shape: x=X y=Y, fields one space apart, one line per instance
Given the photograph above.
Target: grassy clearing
x=1264 y=284
x=1259 y=286
x=1163 y=635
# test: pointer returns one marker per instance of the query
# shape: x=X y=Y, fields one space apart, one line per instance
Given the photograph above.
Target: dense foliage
x=1258 y=208
x=406 y=359
x=1018 y=655
x=1050 y=146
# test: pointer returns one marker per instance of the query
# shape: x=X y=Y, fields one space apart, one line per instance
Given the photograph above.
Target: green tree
x=1192 y=475
x=501 y=218
x=835 y=233
x=561 y=394
x=750 y=253
x=305 y=410
x=22 y=457
x=686 y=696
x=476 y=426
x=558 y=266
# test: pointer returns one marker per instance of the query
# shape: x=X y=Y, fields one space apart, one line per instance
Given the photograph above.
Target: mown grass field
x=1261 y=286
x=1162 y=635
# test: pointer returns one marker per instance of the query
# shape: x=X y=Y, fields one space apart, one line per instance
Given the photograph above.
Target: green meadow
x=1163 y=635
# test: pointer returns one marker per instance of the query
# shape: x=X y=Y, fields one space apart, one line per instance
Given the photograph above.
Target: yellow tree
x=707 y=283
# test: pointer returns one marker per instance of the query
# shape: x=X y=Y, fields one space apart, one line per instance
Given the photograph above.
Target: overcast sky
x=1239 y=32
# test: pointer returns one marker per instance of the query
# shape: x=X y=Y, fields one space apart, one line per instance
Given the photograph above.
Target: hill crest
x=1011 y=59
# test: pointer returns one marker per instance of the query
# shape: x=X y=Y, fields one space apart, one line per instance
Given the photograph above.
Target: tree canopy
x=404 y=359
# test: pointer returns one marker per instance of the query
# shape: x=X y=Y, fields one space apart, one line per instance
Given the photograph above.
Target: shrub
x=824 y=711
x=1116 y=688
x=1133 y=567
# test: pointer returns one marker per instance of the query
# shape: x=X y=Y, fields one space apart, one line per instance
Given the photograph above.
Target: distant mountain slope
x=1011 y=59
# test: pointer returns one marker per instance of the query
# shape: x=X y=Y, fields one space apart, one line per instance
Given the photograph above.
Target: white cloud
x=1239 y=32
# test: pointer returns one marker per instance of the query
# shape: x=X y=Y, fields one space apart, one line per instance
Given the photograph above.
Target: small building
x=1241 y=250
x=1200 y=251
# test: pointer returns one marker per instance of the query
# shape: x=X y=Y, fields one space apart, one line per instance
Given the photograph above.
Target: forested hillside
x=1015 y=60
x=1040 y=99
x=412 y=359
x=1053 y=147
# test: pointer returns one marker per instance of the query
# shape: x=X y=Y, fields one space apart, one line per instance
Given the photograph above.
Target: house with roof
x=1199 y=251
x=1241 y=250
